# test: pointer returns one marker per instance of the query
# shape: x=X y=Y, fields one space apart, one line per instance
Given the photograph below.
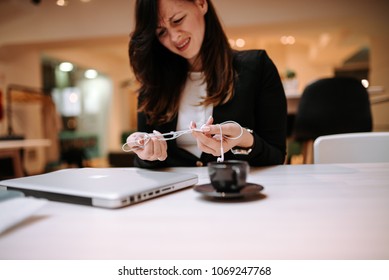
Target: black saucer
x=249 y=190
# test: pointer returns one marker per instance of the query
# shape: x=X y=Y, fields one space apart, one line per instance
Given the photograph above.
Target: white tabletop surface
x=305 y=212
x=26 y=143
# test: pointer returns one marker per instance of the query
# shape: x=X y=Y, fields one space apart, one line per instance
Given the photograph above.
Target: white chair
x=352 y=147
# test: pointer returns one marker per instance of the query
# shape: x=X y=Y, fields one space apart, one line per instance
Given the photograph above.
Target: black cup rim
x=229 y=163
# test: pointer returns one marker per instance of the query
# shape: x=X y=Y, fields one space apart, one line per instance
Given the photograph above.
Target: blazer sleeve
x=144 y=127
x=265 y=89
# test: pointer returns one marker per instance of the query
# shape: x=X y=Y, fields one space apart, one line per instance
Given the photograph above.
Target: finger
x=135 y=142
x=135 y=139
x=204 y=130
x=147 y=152
x=209 y=145
x=160 y=146
x=209 y=121
x=228 y=129
x=232 y=129
x=192 y=125
x=206 y=127
x=195 y=131
x=208 y=149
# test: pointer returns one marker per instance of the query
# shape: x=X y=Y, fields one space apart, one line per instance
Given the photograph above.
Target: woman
x=191 y=77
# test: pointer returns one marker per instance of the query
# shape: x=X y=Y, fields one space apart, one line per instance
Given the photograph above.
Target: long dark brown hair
x=162 y=74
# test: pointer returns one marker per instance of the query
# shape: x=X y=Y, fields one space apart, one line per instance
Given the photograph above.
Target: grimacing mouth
x=183 y=44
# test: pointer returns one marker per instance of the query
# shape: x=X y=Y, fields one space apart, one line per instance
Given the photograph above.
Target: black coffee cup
x=228 y=176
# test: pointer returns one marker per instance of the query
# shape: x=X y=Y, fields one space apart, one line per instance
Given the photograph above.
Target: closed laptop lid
x=104 y=187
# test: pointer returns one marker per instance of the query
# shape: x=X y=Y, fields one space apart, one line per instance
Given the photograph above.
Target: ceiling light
x=62 y=3
x=365 y=83
x=240 y=43
x=288 y=40
x=66 y=67
x=91 y=74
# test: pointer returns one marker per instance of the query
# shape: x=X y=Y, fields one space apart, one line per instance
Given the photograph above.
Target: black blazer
x=258 y=103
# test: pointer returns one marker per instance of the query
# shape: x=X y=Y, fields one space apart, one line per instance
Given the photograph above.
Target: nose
x=175 y=35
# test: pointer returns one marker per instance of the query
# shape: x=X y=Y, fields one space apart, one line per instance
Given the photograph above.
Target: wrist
x=246 y=145
x=247 y=139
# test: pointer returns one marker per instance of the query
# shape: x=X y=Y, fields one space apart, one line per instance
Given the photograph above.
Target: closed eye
x=161 y=32
x=177 y=21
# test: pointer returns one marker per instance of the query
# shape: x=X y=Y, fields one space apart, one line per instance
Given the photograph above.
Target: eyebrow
x=169 y=20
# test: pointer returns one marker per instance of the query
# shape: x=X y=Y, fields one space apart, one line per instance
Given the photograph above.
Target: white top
x=306 y=212
x=194 y=92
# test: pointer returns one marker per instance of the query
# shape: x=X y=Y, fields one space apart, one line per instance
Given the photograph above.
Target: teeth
x=184 y=43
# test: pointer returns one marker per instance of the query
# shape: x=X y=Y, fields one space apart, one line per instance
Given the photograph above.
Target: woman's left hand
x=208 y=141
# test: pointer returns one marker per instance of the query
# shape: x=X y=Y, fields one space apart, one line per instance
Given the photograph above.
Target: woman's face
x=181 y=27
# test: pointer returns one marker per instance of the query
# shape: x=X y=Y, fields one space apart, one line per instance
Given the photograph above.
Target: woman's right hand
x=152 y=149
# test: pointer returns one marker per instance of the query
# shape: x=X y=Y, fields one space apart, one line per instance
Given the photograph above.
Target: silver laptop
x=102 y=187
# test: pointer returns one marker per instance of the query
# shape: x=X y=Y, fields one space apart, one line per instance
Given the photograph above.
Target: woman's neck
x=195 y=64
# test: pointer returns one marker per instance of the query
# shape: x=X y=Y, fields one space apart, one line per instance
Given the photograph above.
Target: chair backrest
x=352 y=147
x=331 y=106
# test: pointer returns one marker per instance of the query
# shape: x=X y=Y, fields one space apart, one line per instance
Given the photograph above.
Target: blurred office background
x=75 y=51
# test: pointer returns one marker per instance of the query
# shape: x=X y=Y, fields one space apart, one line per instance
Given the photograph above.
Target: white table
x=293 y=101
x=11 y=149
x=26 y=143
x=317 y=212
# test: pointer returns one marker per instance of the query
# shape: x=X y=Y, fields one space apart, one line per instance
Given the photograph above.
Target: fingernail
x=205 y=128
x=192 y=125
